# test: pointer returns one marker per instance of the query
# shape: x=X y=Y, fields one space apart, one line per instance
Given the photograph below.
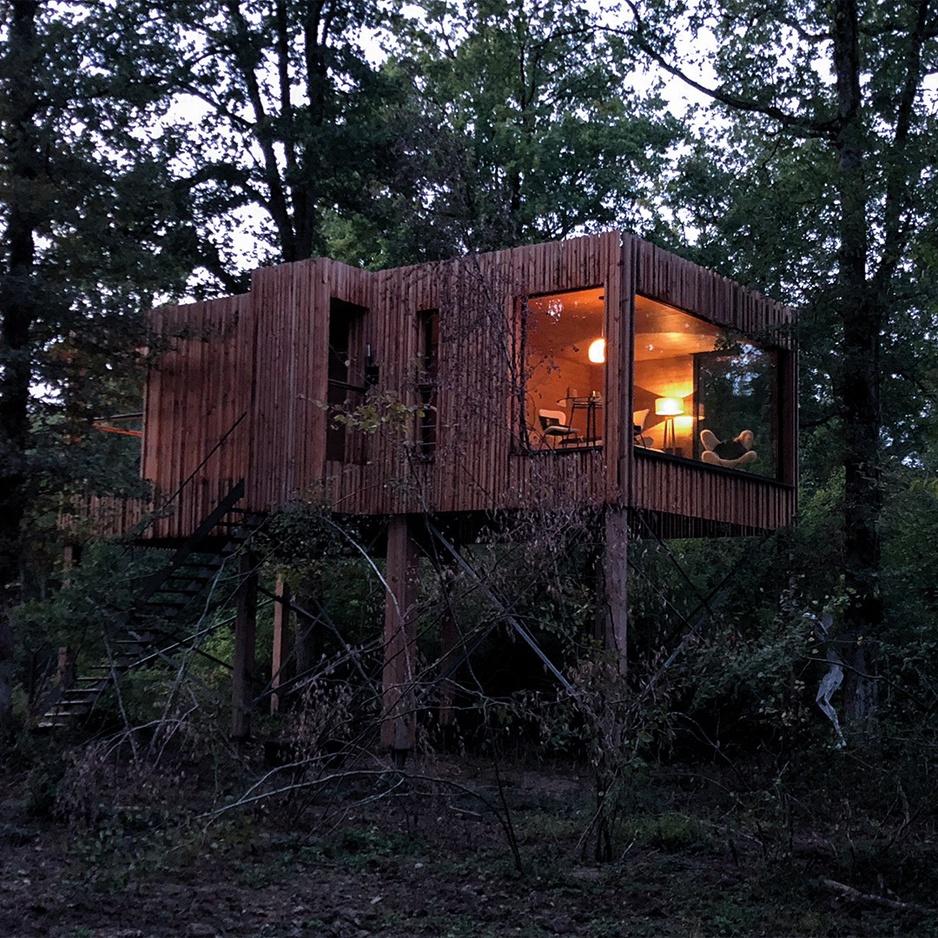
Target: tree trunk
x=857 y=379
x=17 y=313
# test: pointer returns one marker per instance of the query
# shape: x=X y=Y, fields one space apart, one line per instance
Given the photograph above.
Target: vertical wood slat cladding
x=267 y=352
x=196 y=392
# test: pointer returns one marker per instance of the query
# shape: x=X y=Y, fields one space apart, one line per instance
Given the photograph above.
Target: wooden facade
x=465 y=389
x=246 y=388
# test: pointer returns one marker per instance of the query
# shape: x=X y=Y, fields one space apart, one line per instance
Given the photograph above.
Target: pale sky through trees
x=248 y=243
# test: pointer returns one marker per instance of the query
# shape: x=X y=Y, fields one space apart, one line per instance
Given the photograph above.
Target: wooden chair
x=638 y=429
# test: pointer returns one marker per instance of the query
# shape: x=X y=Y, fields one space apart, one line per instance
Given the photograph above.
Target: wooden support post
x=615 y=584
x=307 y=641
x=242 y=678
x=66 y=670
x=71 y=558
x=279 y=653
x=400 y=640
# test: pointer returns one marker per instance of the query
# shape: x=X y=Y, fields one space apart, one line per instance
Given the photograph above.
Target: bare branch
x=801 y=126
x=848 y=892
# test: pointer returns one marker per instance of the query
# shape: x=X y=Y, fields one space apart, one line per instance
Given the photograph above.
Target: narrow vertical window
x=428 y=322
x=346 y=375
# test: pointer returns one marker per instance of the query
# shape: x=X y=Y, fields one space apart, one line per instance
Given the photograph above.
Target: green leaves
x=525 y=125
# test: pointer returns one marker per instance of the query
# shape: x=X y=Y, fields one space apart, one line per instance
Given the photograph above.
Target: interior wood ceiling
x=573 y=319
x=661 y=331
x=566 y=319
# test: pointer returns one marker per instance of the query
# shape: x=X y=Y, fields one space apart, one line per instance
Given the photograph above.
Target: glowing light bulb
x=597 y=351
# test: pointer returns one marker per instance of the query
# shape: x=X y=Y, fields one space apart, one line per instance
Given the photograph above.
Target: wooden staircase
x=159 y=624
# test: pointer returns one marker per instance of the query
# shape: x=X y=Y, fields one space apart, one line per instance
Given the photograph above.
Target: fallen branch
x=848 y=892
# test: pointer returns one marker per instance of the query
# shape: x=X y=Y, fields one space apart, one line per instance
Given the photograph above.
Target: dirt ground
x=427 y=853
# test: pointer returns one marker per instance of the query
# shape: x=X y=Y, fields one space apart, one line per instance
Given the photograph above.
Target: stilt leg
x=279 y=653
x=449 y=642
x=400 y=639
x=615 y=585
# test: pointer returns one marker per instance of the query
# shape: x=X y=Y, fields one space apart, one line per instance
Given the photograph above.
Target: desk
x=591 y=405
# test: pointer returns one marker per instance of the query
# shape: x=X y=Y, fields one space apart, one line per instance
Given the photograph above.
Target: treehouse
x=599 y=373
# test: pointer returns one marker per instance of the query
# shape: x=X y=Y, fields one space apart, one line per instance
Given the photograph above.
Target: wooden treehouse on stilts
x=600 y=373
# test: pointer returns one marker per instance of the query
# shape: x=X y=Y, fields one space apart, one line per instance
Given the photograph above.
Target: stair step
x=184 y=584
x=208 y=556
x=148 y=617
x=159 y=614
x=199 y=574
x=165 y=595
x=66 y=707
x=158 y=608
x=194 y=568
x=135 y=647
x=199 y=568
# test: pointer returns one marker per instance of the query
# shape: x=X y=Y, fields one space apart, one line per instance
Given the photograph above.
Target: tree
x=282 y=120
x=524 y=127
x=828 y=103
x=90 y=224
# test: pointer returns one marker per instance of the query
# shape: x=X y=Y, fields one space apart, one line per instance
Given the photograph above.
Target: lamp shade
x=669 y=406
x=597 y=351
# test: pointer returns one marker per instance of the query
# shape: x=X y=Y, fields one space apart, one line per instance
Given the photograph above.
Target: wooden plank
x=281 y=641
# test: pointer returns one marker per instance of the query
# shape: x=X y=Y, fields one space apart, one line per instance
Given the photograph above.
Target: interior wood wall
x=264 y=354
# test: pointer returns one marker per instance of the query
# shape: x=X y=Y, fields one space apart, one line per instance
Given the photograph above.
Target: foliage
x=526 y=128
x=379 y=409
x=93 y=232
x=823 y=194
x=279 y=119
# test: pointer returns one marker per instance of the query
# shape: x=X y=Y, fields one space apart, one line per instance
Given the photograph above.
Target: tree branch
x=897 y=182
x=798 y=125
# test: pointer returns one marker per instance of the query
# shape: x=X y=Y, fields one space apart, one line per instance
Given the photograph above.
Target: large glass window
x=703 y=392
x=563 y=369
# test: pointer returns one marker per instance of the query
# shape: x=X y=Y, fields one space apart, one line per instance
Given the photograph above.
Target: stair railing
x=163 y=510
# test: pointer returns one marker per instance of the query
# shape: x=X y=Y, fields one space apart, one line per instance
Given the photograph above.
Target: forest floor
x=432 y=852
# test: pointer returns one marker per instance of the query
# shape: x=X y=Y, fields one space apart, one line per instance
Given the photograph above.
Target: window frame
x=782 y=378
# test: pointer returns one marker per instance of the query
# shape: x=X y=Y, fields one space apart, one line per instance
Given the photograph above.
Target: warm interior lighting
x=597 y=351
x=669 y=406
x=684 y=425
